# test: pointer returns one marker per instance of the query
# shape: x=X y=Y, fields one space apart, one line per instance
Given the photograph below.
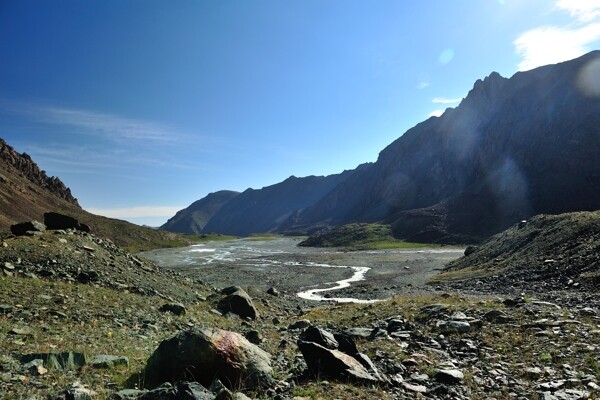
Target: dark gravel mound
x=548 y=252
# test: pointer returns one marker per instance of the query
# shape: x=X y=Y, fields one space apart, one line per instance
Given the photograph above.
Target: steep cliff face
x=22 y=165
x=194 y=218
x=513 y=148
x=26 y=192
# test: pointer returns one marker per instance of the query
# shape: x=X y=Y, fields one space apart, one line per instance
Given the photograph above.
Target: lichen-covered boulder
x=203 y=355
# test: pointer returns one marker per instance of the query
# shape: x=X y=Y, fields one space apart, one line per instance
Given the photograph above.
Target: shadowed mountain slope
x=513 y=148
x=266 y=209
x=194 y=218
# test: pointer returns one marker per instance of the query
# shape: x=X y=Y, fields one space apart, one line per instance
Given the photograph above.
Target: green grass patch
x=353 y=237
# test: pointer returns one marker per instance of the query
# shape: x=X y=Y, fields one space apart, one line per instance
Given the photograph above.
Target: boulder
x=175 y=308
x=23 y=228
x=334 y=364
x=54 y=220
x=238 y=302
x=449 y=376
x=319 y=336
x=204 y=355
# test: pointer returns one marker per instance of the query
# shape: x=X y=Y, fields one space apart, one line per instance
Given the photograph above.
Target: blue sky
x=142 y=107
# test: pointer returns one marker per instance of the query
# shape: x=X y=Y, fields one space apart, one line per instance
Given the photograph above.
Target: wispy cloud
x=552 y=44
x=445 y=100
x=423 y=85
x=93 y=123
x=136 y=212
x=583 y=10
x=436 y=113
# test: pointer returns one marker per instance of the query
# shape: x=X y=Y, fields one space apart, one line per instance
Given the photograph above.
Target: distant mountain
x=26 y=193
x=267 y=209
x=194 y=218
x=513 y=148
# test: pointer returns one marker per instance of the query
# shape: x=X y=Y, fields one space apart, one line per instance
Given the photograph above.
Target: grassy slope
x=359 y=237
x=104 y=321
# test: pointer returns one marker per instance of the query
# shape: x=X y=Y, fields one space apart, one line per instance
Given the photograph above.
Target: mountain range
x=513 y=148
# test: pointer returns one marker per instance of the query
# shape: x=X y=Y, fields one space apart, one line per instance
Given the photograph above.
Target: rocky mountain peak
x=26 y=167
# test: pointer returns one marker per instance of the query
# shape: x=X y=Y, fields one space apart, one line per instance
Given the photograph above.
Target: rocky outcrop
x=204 y=355
x=29 y=169
x=327 y=358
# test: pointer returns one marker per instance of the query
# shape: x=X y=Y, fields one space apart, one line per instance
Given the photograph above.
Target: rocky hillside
x=194 y=218
x=513 y=148
x=551 y=252
x=26 y=193
x=82 y=319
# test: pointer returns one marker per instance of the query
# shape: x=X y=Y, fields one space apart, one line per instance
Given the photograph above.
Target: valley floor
x=432 y=343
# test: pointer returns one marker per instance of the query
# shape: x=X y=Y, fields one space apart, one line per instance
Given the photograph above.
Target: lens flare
x=588 y=80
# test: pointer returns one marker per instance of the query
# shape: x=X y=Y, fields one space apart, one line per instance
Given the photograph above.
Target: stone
x=58 y=361
x=175 y=308
x=108 y=361
x=449 y=376
x=320 y=336
x=361 y=333
x=5 y=309
x=181 y=391
x=206 y=354
x=324 y=362
x=300 y=324
x=76 y=391
x=21 y=332
x=433 y=311
x=272 y=291
x=533 y=372
x=237 y=302
x=453 y=326
x=414 y=388
x=126 y=394
x=496 y=316
x=470 y=250
x=35 y=367
x=254 y=336
x=346 y=344
x=23 y=228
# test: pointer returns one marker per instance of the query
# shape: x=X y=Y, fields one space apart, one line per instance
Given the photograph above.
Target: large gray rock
x=334 y=364
x=22 y=228
x=204 y=355
x=238 y=302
